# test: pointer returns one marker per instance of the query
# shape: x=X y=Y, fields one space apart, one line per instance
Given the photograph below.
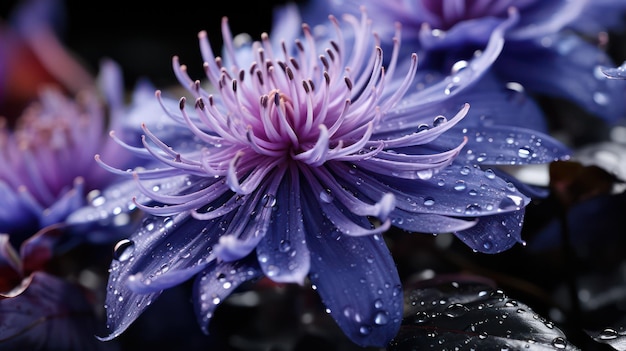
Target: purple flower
x=542 y=52
x=47 y=155
x=297 y=164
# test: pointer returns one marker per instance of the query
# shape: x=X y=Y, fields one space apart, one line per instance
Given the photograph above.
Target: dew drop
x=422 y=127
x=123 y=250
x=326 y=196
x=490 y=174
x=284 y=245
x=559 y=343
x=451 y=88
x=459 y=185
x=429 y=201
x=378 y=303
x=524 y=152
x=459 y=66
x=268 y=200
x=465 y=170
x=425 y=174
x=365 y=330
x=381 y=318
x=439 y=120
x=473 y=209
x=608 y=334
x=600 y=98
x=456 y=310
x=487 y=245
x=421 y=317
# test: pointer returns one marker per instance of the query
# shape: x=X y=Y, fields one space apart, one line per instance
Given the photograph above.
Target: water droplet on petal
x=439 y=120
x=600 y=98
x=326 y=196
x=284 y=245
x=429 y=201
x=487 y=245
x=123 y=250
x=451 y=88
x=524 y=152
x=490 y=174
x=365 y=330
x=378 y=303
x=559 y=343
x=268 y=200
x=381 y=318
x=459 y=185
x=425 y=174
x=458 y=66
x=473 y=209
x=465 y=170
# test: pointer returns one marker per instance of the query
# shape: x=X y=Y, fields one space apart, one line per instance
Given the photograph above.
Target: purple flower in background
x=297 y=164
x=543 y=51
x=47 y=156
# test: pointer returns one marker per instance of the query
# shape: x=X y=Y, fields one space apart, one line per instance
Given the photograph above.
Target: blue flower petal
x=504 y=145
x=283 y=253
x=457 y=190
x=356 y=278
x=546 y=17
x=565 y=66
x=494 y=234
x=163 y=246
x=217 y=282
x=429 y=223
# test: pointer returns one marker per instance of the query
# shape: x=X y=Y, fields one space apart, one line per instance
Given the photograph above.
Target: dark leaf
x=615 y=337
x=463 y=313
x=49 y=315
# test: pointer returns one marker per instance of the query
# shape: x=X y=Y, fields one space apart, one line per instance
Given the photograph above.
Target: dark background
x=143 y=36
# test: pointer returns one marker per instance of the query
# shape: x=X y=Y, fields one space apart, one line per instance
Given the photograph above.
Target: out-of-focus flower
x=543 y=52
x=297 y=165
x=47 y=156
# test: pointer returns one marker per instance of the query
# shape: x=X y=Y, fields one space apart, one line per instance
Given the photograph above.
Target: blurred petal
x=10 y=265
x=566 y=66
